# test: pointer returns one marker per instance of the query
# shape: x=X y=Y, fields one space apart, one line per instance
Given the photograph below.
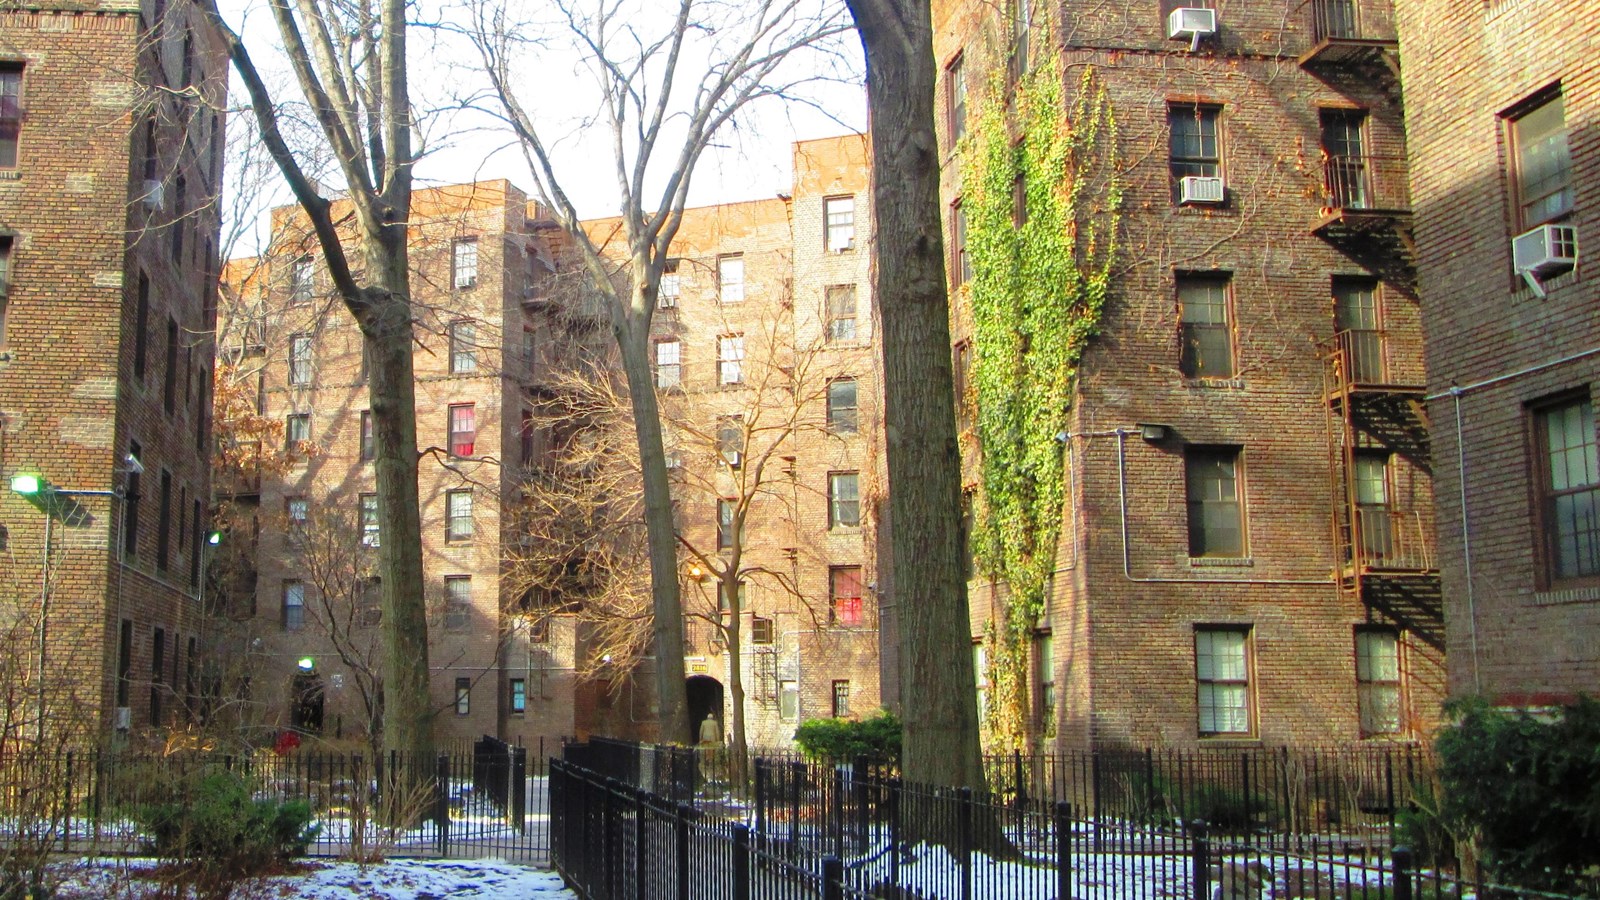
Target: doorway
x=705 y=698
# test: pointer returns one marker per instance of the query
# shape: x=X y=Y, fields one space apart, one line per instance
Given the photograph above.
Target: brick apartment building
x=1507 y=157
x=1247 y=550
x=765 y=320
x=110 y=163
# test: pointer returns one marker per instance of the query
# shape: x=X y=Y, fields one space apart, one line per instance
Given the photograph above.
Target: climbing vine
x=1041 y=200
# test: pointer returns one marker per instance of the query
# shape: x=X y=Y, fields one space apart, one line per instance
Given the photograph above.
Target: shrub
x=217 y=834
x=1522 y=787
x=876 y=739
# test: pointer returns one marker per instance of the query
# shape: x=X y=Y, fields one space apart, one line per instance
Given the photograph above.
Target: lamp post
x=55 y=503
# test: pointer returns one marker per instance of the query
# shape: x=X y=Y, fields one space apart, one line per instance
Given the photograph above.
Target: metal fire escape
x=1386 y=558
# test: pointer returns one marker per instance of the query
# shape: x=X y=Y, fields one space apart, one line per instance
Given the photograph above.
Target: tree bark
x=938 y=687
x=633 y=340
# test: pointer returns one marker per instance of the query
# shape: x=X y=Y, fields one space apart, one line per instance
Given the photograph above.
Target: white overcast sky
x=751 y=160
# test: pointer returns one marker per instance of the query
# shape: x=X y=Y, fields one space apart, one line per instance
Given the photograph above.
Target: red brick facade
x=1129 y=602
x=1521 y=631
x=108 y=221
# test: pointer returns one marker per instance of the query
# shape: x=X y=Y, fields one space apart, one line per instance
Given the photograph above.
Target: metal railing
x=857 y=832
x=1365 y=182
x=1391 y=539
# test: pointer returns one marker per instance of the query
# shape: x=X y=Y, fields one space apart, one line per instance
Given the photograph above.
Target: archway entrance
x=305 y=702
x=705 y=698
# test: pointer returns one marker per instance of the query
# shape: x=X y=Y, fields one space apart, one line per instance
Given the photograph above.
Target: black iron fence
x=863 y=834
x=490 y=801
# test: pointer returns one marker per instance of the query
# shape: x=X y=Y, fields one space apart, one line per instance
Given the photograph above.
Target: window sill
x=1221 y=562
x=1236 y=383
x=845 y=529
x=1241 y=741
x=1558 y=597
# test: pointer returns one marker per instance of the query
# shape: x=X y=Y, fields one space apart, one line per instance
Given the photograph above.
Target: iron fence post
x=442 y=804
x=858 y=793
x=1095 y=799
x=1388 y=787
x=518 y=807
x=761 y=796
x=1200 y=878
x=964 y=838
x=681 y=826
x=66 y=812
x=832 y=878
x=797 y=771
x=741 y=861
x=895 y=796
x=608 y=842
x=1401 y=856
x=836 y=809
x=1016 y=773
x=641 y=810
x=1063 y=825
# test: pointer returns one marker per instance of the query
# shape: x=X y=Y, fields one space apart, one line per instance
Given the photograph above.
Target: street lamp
x=55 y=503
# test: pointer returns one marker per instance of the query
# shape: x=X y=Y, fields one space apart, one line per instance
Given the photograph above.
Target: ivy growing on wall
x=1041 y=196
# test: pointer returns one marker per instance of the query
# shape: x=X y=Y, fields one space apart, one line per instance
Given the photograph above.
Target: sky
x=750 y=159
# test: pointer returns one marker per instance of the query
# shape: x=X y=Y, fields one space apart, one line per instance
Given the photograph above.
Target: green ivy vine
x=1040 y=273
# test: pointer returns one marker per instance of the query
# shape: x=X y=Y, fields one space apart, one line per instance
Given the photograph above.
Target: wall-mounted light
x=1154 y=433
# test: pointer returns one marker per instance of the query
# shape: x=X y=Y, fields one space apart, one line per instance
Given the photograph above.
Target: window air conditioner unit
x=845 y=244
x=1198 y=189
x=733 y=458
x=122 y=720
x=1193 y=23
x=1544 y=252
x=155 y=194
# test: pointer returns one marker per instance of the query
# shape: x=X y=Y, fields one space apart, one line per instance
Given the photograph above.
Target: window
x=10 y=113
x=842 y=411
x=844 y=500
x=463 y=348
x=464 y=263
x=130 y=505
x=841 y=699
x=296 y=430
x=1358 y=319
x=463 y=696
x=1044 y=663
x=169 y=380
x=298 y=511
x=300 y=359
x=730 y=278
x=730 y=439
x=525 y=435
x=730 y=358
x=1569 y=489
x=724 y=524
x=1216 y=521
x=1542 y=162
x=841 y=313
x=955 y=98
x=369 y=597
x=760 y=630
x=788 y=700
x=463 y=429
x=180 y=221
x=669 y=363
x=164 y=523
x=141 y=326
x=1378 y=680
x=519 y=696
x=369 y=449
x=844 y=595
x=1204 y=327
x=1374 y=523
x=302 y=280
x=1345 y=155
x=369 y=520
x=124 y=661
x=158 y=666
x=1192 y=145
x=961 y=269
x=962 y=365
x=458 y=601
x=670 y=286
x=294 y=605
x=186 y=72
x=458 y=516
x=722 y=597
x=1222 y=672
x=5 y=281
x=1021 y=24
x=839 y=216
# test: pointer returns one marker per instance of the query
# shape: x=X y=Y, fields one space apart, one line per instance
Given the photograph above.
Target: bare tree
x=937 y=682
x=662 y=100
x=349 y=61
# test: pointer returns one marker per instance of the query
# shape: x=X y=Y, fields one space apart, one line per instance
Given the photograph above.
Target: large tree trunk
x=938 y=689
x=407 y=705
x=633 y=338
x=739 y=744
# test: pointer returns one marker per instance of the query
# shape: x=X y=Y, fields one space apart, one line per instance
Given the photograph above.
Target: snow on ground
x=399 y=879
